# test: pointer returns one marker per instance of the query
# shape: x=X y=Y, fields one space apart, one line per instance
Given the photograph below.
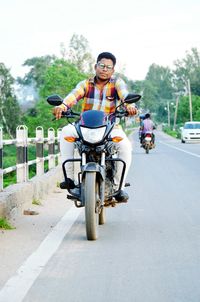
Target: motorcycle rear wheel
x=91 y=217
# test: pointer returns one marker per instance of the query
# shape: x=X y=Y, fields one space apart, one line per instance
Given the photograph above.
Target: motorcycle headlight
x=93 y=135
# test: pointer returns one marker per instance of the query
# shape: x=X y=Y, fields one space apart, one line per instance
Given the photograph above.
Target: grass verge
x=5 y=225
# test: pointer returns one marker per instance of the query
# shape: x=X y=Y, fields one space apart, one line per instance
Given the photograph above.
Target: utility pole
x=168 y=114
x=190 y=99
x=175 y=113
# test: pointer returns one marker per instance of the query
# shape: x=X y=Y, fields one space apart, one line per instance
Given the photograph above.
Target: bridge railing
x=22 y=142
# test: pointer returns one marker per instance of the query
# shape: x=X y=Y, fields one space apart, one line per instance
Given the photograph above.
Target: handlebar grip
x=70 y=114
x=66 y=113
x=121 y=113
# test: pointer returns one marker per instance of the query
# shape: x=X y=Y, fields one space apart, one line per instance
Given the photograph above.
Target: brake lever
x=121 y=113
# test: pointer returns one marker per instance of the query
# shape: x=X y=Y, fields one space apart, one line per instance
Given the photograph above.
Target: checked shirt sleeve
x=122 y=89
x=74 y=96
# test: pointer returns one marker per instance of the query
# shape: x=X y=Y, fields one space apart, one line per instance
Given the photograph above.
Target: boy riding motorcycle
x=102 y=92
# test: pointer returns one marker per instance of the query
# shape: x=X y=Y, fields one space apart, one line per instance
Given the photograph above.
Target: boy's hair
x=106 y=55
x=147 y=115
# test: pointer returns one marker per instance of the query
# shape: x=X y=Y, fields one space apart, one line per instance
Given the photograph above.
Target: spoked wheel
x=102 y=216
x=91 y=217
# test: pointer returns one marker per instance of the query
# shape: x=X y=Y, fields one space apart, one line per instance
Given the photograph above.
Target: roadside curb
x=15 y=198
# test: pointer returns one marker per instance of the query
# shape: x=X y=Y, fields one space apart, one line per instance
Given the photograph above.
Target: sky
x=139 y=33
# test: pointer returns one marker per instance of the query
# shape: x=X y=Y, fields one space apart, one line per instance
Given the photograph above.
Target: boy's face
x=104 y=69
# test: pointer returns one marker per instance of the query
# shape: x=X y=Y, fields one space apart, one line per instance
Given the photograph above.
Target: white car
x=190 y=132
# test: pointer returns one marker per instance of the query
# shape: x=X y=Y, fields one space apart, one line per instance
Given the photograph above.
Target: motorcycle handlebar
x=70 y=114
x=120 y=113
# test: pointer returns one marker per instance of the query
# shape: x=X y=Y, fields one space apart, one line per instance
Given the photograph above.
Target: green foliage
x=162 y=85
x=157 y=87
x=12 y=114
x=9 y=107
x=9 y=156
x=38 y=67
x=5 y=225
x=183 y=109
x=9 y=160
x=49 y=75
x=170 y=131
x=60 y=78
x=36 y=202
x=9 y=179
x=33 y=79
x=42 y=117
x=188 y=68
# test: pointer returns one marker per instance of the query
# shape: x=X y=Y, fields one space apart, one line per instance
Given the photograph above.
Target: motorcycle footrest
x=72 y=197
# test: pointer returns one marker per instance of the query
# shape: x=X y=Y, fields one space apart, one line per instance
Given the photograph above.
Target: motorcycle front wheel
x=91 y=217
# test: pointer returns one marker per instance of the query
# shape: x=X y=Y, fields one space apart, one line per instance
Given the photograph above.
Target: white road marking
x=17 y=286
x=179 y=149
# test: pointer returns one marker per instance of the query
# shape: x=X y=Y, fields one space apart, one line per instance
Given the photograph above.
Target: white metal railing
x=22 y=142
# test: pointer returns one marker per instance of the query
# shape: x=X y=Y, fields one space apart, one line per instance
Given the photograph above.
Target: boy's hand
x=132 y=110
x=57 y=111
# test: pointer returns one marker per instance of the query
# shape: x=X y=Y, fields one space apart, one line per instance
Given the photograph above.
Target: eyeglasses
x=102 y=66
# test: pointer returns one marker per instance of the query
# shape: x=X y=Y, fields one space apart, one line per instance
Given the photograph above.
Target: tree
x=38 y=67
x=130 y=84
x=157 y=89
x=188 y=68
x=29 y=85
x=60 y=78
x=9 y=107
x=183 y=109
x=79 y=54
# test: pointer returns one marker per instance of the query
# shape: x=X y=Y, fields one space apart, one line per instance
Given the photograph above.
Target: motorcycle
x=147 y=141
x=98 y=161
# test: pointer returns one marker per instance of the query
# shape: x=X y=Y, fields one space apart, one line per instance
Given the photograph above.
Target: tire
x=147 y=149
x=182 y=141
x=91 y=217
x=102 y=216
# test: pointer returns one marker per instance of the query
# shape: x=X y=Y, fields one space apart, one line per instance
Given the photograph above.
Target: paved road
x=148 y=251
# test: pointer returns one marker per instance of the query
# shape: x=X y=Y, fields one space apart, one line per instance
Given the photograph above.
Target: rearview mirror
x=132 y=98
x=54 y=100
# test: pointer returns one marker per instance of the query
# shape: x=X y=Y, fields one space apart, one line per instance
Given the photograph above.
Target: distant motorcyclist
x=141 y=118
x=147 y=125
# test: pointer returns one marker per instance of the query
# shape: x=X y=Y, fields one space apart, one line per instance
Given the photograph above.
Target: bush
x=173 y=133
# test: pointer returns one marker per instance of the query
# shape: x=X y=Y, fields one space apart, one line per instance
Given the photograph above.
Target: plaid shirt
x=93 y=98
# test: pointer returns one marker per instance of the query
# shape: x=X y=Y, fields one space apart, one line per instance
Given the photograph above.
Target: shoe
x=122 y=196
x=75 y=192
x=67 y=184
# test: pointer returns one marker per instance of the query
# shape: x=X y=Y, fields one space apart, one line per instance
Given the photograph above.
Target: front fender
x=94 y=167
